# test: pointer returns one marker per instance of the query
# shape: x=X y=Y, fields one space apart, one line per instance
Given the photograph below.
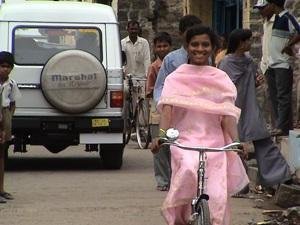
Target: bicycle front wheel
x=142 y=124
x=203 y=217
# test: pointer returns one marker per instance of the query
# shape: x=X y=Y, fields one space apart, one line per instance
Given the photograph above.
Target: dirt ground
x=72 y=188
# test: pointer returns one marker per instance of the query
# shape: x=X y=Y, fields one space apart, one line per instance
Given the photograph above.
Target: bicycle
x=137 y=112
x=200 y=210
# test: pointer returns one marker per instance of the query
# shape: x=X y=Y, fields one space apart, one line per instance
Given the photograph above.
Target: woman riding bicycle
x=198 y=100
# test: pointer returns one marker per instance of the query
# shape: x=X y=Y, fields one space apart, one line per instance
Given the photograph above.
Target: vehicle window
x=35 y=45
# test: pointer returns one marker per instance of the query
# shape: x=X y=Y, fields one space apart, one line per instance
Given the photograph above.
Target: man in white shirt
x=268 y=20
x=137 y=51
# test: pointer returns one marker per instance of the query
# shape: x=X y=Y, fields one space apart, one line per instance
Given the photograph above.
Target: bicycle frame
x=131 y=93
x=201 y=178
x=136 y=103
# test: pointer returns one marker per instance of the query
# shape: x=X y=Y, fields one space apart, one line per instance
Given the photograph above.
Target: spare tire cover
x=73 y=81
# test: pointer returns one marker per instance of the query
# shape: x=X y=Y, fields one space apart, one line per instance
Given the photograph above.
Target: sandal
x=258 y=189
x=162 y=188
x=6 y=195
x=242 y=193
x=2 y=200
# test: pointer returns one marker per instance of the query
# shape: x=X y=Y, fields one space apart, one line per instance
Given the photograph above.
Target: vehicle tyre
x=112 y=155
x=73 y=81
x=203 y=213
x=142 y=124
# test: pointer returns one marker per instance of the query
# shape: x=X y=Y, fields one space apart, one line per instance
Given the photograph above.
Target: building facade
x=222 y=15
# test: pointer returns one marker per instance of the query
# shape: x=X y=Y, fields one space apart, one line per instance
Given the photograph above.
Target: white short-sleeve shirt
x=137 y=56
x=10 y=92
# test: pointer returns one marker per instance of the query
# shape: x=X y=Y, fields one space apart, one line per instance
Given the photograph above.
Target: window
x=227 y=15
x=35 y=45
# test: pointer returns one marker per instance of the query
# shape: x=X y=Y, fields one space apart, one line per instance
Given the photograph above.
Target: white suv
x=68 y=68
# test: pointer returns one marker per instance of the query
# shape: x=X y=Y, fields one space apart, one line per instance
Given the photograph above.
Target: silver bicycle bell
x=172 y=134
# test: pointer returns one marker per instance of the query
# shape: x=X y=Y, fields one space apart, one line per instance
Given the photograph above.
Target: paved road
x=72 y=188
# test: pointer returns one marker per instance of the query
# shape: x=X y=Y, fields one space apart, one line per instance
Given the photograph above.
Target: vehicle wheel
x=128 y=120
x=203 y=213
x=73 y=81
x=112 y=156
x=142 y=124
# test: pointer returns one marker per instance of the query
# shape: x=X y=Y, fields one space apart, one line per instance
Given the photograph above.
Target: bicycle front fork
x=201 y=185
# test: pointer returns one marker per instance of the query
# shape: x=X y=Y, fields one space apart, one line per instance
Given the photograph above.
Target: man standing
x=268 y=20
x=137 y=51
x=285 y=34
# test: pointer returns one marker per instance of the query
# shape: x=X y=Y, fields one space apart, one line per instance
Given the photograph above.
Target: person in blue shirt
x=175 y=58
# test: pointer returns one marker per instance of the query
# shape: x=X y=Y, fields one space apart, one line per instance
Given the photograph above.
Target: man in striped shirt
x=285 y=34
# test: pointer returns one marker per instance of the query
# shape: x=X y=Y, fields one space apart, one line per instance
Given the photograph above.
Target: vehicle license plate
x=100 y=122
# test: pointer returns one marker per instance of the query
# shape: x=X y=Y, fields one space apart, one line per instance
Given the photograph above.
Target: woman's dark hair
x=7 y=57
x=235 y=38
x=199 y=30
x=163 y=37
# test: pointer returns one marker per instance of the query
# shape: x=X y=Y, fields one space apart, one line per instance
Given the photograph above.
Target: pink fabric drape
x=201 y=96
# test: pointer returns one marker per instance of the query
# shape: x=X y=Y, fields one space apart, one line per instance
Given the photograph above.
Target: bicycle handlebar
x=171 y=140
x=230 y=147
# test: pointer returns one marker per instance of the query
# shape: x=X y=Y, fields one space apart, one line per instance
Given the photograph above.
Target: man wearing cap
x=285 y=34
x=268 y=19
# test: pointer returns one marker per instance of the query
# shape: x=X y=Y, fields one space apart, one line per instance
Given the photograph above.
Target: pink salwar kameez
x=201 y=96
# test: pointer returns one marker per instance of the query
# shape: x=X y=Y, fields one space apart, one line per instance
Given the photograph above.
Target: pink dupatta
x=203 y=88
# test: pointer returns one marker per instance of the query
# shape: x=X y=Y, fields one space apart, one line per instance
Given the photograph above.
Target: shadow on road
x=53 y=163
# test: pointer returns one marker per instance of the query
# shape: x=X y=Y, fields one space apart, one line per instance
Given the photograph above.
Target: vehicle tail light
x=116 y=99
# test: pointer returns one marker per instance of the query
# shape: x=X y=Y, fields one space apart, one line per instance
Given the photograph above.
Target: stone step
x=288 y=196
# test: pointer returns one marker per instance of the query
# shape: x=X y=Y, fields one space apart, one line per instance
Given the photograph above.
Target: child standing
x=8 y=93
x=162 y=46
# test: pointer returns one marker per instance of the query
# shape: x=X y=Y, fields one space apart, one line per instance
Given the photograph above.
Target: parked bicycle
x=137 y=112
x=200 y=211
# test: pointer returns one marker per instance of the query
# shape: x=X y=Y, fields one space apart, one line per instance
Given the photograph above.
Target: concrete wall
x=154 y=16
x=202 y=9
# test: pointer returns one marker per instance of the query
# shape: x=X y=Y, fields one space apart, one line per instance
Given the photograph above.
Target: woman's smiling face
x=199 y=50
